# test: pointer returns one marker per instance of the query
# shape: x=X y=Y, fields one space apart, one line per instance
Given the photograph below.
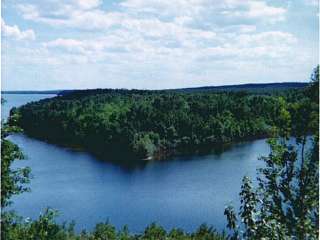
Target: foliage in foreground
x=285 y=204
x=12 y=180
x=45 y=228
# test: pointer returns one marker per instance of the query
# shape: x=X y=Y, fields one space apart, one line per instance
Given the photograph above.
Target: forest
x=141 y=124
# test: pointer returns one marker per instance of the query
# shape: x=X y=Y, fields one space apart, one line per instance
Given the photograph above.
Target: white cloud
x=266 y=39
x=68 y=44
x=255 y=10
x=169 y=42
x=261 y=9
x=15 y=33
x=29 y=11
x=88 y=14
x=122 y=46
x=239 y=28
x=155 y=30
x=312 y=2
x=167 y=7
x=81 y=15
x=88 y=4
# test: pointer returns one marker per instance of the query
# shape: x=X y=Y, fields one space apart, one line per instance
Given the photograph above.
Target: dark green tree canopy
x=152 y=124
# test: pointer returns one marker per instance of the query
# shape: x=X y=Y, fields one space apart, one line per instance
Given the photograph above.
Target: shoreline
x=165 y=154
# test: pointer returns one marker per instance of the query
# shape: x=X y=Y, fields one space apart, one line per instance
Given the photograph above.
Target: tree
x=12 y=180
x=285 y=203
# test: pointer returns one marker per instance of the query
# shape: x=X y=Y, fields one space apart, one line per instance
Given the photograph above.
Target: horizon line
x=146 y=89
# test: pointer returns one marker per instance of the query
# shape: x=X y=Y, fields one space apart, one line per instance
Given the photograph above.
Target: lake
x=183 y=192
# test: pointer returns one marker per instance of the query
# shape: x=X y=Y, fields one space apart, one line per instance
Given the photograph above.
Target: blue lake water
x=183 y=192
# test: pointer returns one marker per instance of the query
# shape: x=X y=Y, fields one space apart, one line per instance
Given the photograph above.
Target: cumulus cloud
x=88 y=4
x=75 y=14
x=267 y=39
x=312 y=2
x=167 y=7
x=15 y=33
x=69 y=44
x=255 y=10
x=88 y=14
x=29 y=11
x=183 y=40
x=132 y=46
x=163 y=29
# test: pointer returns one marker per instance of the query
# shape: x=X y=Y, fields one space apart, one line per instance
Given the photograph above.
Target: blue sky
x=155 y=44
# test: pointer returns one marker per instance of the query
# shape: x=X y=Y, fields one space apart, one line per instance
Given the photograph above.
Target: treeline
x=45 y=228
x=153 y=124
x=258 y=88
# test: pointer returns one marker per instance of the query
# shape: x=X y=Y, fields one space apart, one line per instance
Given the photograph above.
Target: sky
x=156 y=44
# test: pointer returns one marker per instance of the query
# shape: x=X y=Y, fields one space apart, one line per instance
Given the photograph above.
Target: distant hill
x=247 y=87
x=250 y=87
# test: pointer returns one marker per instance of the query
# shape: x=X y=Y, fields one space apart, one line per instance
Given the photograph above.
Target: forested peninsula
x=145 y=124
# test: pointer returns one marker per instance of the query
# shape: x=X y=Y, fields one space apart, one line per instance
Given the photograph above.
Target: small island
x=145 y=124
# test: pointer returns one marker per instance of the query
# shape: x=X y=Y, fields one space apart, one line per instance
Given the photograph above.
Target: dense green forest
x=153 y=124
x=284 y=204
